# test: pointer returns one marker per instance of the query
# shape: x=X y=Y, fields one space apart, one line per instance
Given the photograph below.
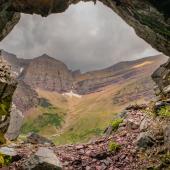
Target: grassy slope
x=80 y=119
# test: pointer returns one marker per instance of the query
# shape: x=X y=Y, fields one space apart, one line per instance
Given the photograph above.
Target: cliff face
x=47 y=73
x=96 y=80
x=7 y=88
x=24 y=96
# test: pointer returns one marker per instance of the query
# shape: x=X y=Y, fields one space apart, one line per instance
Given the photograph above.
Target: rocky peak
x=48 y=73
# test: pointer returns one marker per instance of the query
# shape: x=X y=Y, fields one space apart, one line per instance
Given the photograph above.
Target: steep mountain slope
x=50 y=74
x=93 y=81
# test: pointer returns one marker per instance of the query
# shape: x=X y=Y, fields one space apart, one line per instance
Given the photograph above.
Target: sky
x=85 y=37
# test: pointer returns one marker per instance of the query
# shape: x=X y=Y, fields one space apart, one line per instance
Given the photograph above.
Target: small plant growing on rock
x=113 y=146
x=164 y=111
x=115 y=123
x=166 y=158
x=5 y=160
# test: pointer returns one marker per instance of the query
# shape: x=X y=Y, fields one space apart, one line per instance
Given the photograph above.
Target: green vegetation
x=113 y=146
x=4 y=112
x=5 y=160
x=72 y=137
x=5 y=106
x=166 y=158
x=50 y=116
x=115 y=123
x=164 y=111
x=2 y=138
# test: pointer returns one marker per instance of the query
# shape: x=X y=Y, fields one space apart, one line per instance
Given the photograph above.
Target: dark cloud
x=85 y=37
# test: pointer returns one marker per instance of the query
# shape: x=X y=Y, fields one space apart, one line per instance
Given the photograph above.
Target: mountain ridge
x=47 y=73
x=47 y=94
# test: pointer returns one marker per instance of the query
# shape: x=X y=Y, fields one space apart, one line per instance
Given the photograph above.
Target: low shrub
x=113 y=146
x=164 y=111
x=5 y=160
x=115 y=123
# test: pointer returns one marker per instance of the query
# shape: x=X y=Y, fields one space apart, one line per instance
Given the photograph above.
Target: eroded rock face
x=149 y=18
x=7 y=19
x=47 y=73
x=7 y=88
x=162 y=78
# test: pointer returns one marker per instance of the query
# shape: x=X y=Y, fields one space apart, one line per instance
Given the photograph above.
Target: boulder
x=161 y=78
x=144 y=124
x=8 y=151
x=145 y=140
x=131 y=124
x=43 y=159
x=10 y=154
x=34 y=138
x=16 y=121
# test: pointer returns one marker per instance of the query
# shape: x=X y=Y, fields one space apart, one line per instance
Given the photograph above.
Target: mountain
x=70 y=106
x=94 y=80
x=48 y=73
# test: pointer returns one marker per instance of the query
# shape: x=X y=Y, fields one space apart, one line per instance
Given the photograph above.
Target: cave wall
x=8 y=19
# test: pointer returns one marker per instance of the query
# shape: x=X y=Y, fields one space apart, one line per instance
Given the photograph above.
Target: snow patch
x=21 y=69
x=72 y=94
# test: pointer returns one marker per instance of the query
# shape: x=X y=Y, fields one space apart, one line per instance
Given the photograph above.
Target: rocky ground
x=132 y=145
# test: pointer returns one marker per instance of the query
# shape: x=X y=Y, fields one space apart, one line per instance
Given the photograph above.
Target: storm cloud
x=85 y=37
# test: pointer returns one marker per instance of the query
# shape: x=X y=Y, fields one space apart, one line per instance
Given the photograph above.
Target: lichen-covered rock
x=7 y=88
x=145 y=140
x=7 y=19
x=162 y=78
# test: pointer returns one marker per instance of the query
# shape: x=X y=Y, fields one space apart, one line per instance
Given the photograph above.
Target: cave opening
x=83 y=32
x=54 y=93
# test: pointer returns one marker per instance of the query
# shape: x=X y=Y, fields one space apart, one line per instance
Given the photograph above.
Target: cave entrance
x=88 y=38
x=83 y=32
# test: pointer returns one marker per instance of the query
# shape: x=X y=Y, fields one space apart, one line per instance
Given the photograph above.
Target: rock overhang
x=149 y=18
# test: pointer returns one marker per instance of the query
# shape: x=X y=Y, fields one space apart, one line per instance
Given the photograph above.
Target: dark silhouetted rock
x=37 y=139
x=144 y=140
